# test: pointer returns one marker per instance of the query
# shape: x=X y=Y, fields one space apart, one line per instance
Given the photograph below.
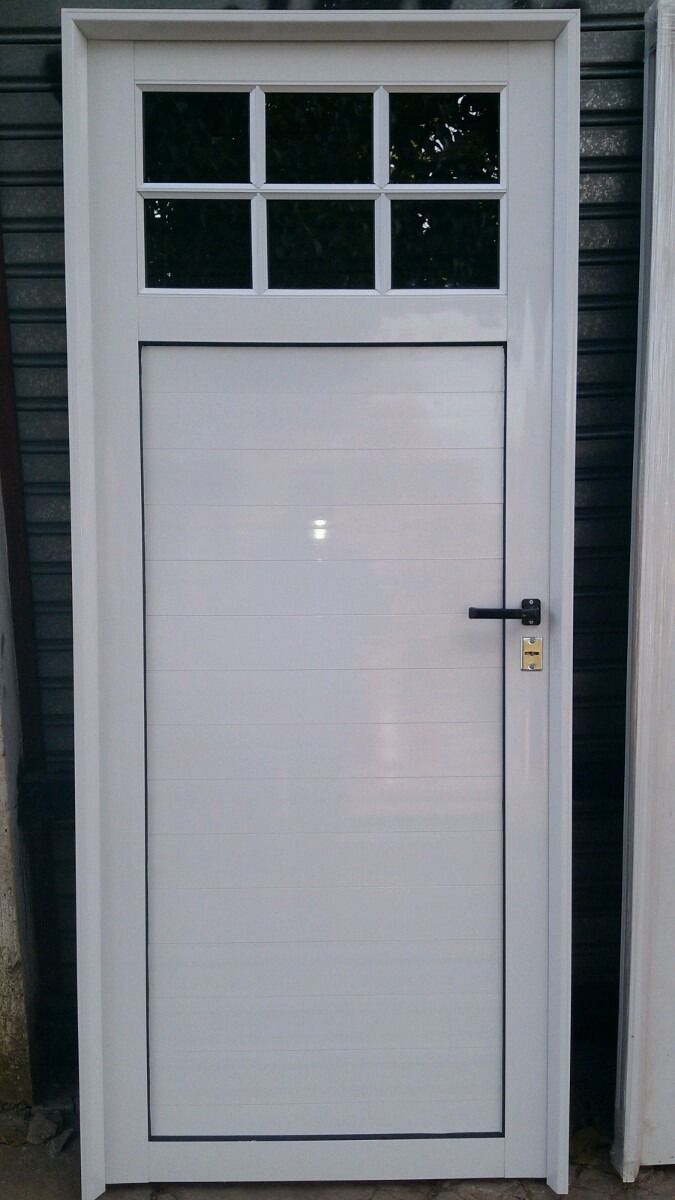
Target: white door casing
x=533 y=61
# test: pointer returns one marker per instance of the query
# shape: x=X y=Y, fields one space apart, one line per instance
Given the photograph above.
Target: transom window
x=373 y=190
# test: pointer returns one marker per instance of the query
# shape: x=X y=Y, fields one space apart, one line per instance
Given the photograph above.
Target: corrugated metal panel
x=31 y=203
x=611 y=133
x=31 y=207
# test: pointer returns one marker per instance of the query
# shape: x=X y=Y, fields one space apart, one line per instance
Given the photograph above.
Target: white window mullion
x=383 y=244
x=381 y=178
x=259 y=243
x=258 y=205
x=257 y=137
x=381 y=137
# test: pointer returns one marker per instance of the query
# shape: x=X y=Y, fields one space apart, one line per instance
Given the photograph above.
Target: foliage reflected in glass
x=319 y=137
x=321 y=243
x=198 y=243
x=196 y=137
x=444 y=137
x=445 y=243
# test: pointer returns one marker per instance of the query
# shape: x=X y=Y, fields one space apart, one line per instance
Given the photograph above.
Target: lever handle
x=529 y=613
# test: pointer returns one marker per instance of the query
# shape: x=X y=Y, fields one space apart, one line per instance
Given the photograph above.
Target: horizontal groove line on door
x=321 y=562
x=331 y=504
x=442 y=1046
x=355 y=941
x=328 y=832
x=250 y=670
x=312 y=778
x=295 y=724
x=328 y=887
x=159 y=996
x=271 y=449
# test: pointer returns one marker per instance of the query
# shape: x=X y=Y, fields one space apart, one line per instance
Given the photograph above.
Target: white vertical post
x=258 y=204
x=381 y=178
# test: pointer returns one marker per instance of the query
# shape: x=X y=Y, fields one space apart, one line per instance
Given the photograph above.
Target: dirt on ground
x=44 y=1172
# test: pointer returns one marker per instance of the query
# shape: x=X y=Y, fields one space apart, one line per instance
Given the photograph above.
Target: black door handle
x=529 y=613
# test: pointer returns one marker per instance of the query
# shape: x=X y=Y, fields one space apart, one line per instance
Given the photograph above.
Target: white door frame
x=100 y=767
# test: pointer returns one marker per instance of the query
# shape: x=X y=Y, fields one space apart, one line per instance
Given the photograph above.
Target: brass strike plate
x=531 y=653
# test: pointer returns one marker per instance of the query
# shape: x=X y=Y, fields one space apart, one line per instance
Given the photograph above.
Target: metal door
x=321 y=409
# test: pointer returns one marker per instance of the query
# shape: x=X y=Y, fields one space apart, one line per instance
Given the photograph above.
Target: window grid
x=381 y=191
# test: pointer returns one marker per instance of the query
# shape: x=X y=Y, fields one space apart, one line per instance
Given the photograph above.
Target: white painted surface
x=109 y=645
x=645 y=1130
x=402 y=968
x=392 y=694
x=294 y=671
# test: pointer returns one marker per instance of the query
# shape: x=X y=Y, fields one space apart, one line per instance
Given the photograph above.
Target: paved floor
x=28 y=1173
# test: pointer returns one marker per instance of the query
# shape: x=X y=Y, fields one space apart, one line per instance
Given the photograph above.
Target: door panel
x=344 y=805
x=304 y=696
x=324 y=740
x=387 y=531
x=326 y=477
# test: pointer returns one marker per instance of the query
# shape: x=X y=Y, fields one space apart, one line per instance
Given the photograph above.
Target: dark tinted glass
x=316 y=137
x=196 y=137
x=321 y=243
x=445 y=243
x=444 y=138
x=198 y=243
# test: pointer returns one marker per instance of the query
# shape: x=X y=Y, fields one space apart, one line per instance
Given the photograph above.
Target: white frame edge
x=81 y=25
x=653 y=545
x=85 y=609
x=354 y=25
x=565 y=303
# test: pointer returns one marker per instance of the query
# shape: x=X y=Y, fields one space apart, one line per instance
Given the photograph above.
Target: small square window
x=321 y=243
x=196 y=137
x=445 y=243
x=444 y=137
x=198 y=243
x=319 y=137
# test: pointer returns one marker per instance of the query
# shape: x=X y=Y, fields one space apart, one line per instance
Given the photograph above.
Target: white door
x=321 y=410
x=324 y=740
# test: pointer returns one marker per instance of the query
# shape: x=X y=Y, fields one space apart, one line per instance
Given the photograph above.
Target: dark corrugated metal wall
x=31 y=214
x=611 y=129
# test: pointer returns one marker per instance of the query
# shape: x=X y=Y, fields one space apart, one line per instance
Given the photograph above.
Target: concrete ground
x=29 y=1173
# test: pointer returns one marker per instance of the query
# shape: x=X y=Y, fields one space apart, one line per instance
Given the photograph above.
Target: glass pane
x=198 y=243
x=321 y=243
x=444 y=138
x=196 y=137
x=445 y=243
x=319 y=137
